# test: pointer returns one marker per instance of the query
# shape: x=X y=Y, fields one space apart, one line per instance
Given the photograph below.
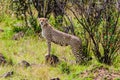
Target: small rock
x=55 y=79
x=2 y=59
x=18 y=35
x=8 y=74
x=1 y=30
x=51 y=59
x=24 y=63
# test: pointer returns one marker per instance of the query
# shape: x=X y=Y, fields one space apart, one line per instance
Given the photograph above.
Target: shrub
x=100 y=21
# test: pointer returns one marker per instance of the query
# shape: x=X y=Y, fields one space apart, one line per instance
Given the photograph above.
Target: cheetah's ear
x=46 y=19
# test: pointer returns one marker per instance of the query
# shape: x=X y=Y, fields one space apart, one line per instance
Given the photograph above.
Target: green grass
x=32 y=49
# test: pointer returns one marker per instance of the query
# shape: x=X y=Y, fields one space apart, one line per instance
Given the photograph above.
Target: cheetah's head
x=43 y=21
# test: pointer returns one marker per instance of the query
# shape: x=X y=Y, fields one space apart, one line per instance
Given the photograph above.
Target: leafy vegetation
x=100 y=20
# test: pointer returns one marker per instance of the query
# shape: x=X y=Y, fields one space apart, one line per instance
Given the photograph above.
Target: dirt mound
x=100 y=73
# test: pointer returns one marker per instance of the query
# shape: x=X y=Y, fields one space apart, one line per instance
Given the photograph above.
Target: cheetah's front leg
x=49 y=47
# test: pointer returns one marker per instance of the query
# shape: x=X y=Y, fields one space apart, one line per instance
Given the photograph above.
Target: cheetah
x=61 y=38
